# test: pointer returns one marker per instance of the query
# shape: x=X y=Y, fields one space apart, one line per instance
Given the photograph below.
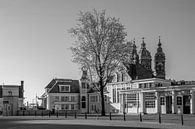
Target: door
x=168 y=104
x=186 y=104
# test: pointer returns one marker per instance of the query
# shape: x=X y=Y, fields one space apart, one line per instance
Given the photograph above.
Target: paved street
x=29 y=123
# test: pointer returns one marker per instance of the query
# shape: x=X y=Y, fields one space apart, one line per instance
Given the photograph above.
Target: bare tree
x=99 y=46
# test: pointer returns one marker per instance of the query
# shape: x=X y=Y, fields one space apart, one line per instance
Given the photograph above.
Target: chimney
x=21 y=90
x=22 y=83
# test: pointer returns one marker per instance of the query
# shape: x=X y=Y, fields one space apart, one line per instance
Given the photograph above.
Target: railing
x=62 y=114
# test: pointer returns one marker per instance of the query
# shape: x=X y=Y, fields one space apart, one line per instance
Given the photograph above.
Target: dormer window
x=64 y=88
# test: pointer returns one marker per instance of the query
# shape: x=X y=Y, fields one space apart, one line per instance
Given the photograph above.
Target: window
x=62 y=107
x=114 y=95
x=150 y=104
x=10 y=93
x=179 y=100
x=94 y=98
x=117 y=96
x=66 y=106
x=72 y=98
x=93 y=107
x=140 y=85
x=162 y=101
x=56 y=98
x=83 y=85
x=65 y=98
x=145 y=85
x=150 y=100
x=132 y=100
x=105 y=98
x=65 y=88
x=83 y=103
x=72 y=106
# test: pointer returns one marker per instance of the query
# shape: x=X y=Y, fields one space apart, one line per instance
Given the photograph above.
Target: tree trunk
x=102 y=99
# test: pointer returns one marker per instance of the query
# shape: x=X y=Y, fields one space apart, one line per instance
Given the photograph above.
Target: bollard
x=64 y=114
x=110 y=116
x=182 y=119
x=85 y=115
x=42 y=113
x=49 y=114
x=35 y=113
x=124 y=117
x=23 y=113
x=57 y=114
x=17 y=113
x=159 y=117
x=75 y=115
x=140 y=117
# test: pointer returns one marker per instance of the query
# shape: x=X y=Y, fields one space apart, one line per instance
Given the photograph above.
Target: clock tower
x=159 y=61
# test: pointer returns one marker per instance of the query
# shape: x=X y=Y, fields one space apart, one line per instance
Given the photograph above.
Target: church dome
x=144 y=53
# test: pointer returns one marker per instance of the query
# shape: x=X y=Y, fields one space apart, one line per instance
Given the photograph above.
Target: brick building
x=11 y=98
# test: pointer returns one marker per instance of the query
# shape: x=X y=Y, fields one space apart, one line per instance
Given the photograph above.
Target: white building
x=62 y=94
x=152 y=96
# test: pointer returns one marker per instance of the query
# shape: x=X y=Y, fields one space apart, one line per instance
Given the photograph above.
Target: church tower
x=135 y=56
x=145 y=56
x=84 y=87
x=159 y=61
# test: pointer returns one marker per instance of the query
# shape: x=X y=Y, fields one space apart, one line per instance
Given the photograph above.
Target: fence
x=61 y=114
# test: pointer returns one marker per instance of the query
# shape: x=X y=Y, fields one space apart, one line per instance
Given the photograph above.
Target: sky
x=34 y=38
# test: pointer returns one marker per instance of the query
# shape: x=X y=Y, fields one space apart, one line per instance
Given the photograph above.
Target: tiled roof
x=54 y=85
x=57 y=80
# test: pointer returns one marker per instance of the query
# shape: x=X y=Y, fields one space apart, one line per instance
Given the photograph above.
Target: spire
x=159 y=49
x=134 y=46
x=159 y=43
x=143 y=45
x=159 y=61
x=134 y=57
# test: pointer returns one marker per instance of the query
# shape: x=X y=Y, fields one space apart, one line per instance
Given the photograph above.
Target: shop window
x=150 y=100
x=162 y=101
x=150 y=104
x=179 y=100
x=132 y=100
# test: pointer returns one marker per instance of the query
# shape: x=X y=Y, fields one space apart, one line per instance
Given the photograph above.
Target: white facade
x=63 y=101
x=151 y=96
